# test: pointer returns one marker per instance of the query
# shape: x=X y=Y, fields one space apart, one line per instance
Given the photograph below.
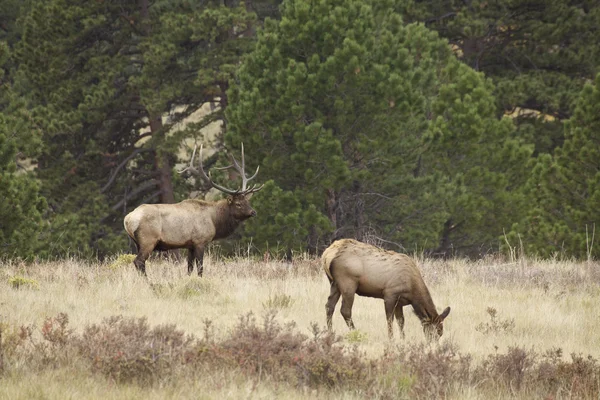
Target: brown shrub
x=128 y=350
x=283 y=354
x=54 y=350
x=580 y=377
x=425 y=371
x=508 y=369
x=10 y=342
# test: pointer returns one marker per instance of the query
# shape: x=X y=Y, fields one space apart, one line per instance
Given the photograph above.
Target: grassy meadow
x=255 y=329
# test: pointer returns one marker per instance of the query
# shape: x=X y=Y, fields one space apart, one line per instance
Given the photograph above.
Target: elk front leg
x=199 y=256
x=190 y=260
x=390 y=305
x=334 y=296
x=400 y=318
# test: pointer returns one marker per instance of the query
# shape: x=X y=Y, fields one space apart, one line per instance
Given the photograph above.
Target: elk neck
x=225 y=223
x=423 y=306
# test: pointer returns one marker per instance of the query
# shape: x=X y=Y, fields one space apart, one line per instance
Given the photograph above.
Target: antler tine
x=194 y=155
x=215 y=185
x=236 y=165
x=254 y=189
x=241 y=170
x=254 y=176
x=190 y=167
x=243 y=159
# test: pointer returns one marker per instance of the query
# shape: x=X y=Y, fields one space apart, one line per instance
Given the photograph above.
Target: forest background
x=449 y=128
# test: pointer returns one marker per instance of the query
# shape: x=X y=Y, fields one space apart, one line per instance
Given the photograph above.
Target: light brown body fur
x=358 y=268
x=190 y=224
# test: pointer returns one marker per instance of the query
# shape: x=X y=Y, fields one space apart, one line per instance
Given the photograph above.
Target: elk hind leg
x=334 y=296
x=346 y=309
x=140 y=260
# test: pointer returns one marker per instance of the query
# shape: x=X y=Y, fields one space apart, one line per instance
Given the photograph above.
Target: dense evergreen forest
x=452 y=128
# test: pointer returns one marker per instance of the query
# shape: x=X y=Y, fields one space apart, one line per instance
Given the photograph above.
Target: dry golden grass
x=538 y=305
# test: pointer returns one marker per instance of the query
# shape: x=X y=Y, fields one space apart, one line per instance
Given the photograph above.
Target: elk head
x=238 y=200
x=434 y=329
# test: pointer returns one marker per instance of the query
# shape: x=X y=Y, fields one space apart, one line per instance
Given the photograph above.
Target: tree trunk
x=161 y=161
x=144 y=8
x=163 y=167
x=359 y=210
x=446 y=250
x=332 y=213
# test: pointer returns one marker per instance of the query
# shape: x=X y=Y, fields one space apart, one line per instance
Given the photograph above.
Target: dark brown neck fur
x=225 y=223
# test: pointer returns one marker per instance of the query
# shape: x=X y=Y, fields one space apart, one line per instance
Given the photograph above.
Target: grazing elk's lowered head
x=191 y=224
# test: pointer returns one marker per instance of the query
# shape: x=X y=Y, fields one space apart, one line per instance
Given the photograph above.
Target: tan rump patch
x=132 y=222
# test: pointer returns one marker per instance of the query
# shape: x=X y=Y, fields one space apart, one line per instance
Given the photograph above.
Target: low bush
x=495 y=325
x=424 y=371
x=281 y=353
x=128 y=350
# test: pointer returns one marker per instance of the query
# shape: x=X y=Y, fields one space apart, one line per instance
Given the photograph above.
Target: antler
x=240 y=169
x=245 y=180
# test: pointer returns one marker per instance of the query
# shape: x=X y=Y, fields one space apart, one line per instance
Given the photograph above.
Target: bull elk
x=190 y=224
x=358 y=268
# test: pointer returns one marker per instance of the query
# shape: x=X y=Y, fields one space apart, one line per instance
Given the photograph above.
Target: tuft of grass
x=278 y=301
x=162 y=290
x=196 y=286
x=397 y=380
x=20 y=282
x=123 y=260
x=356 y=336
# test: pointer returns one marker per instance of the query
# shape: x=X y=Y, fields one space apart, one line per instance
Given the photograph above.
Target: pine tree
x=98 y=74
x=538 y=53
x=21 y=205
x=565 y=189
x=371 y=128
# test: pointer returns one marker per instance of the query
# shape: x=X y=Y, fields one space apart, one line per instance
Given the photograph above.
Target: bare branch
x=139 y=189
x=120 y=166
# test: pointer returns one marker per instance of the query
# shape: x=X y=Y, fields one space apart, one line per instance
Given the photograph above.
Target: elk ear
x=248 y=196
x=444 y=314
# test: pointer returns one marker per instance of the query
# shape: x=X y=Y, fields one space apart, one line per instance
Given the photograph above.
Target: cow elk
x=358 y=268
x=192 y=223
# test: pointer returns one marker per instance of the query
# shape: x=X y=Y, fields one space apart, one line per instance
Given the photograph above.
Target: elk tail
x=131 y=225
x=326 y=259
